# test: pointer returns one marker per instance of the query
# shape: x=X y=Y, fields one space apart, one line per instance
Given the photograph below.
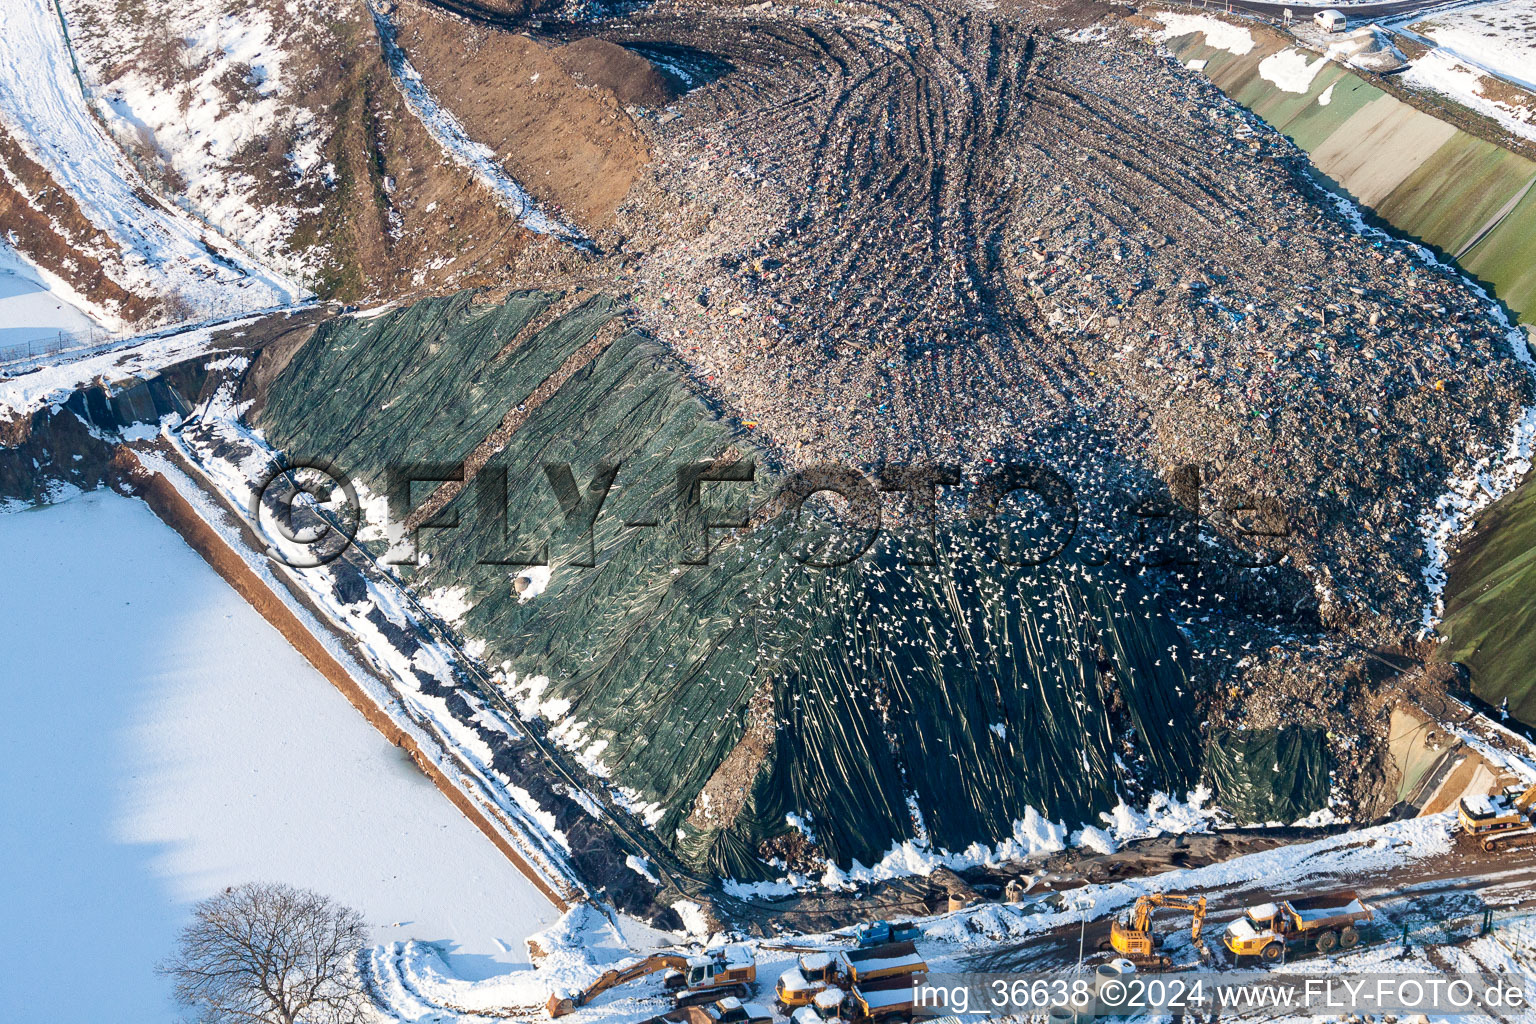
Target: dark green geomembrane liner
x=874 y=702
x=1269 y=775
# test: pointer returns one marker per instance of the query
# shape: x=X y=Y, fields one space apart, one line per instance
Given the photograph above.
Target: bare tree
x=270 y=954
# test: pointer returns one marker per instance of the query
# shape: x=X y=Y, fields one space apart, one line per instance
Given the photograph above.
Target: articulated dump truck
x=870 y=980
x=1323 y=923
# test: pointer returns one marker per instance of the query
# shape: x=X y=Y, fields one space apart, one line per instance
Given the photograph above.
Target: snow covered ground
x=30 y=308
x=1219 y=34
x=1040 y=932
x=162 y=251
x=239 y=89
x=25 y=392
x=1473 y=47
x=1498 y=36
x=1441 y=71
x=165 y=741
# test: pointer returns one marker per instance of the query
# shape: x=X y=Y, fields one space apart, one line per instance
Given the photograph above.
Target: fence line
x=54 y=344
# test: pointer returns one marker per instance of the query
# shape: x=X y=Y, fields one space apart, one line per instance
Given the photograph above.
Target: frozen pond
x=28 y=310
x=164 y=741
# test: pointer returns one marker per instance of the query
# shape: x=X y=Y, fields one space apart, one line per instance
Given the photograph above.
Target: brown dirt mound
x=632 y=79
x=50 y=230
x=573 y=148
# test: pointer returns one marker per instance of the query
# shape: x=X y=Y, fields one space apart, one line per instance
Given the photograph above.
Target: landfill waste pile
x=898 y=236
x=794 y=714
x=957 y=426
x=1073 y=252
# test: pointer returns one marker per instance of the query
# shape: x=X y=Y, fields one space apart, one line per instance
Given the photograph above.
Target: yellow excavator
x=1132 y=936
x=690 y=978
x=1503 y=821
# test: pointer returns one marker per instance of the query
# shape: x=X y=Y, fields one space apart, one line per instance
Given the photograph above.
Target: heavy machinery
x=1324 y=923
x=883 y=999
x=1132 y=936
x=812 y=973
x=881 y=933
x=1504 y=821
x=729 y=1010
x=818 y=972
x=690 y=978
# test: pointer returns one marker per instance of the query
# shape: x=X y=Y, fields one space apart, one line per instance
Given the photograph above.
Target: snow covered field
x=1475 y=46
x=163 y=252
x=1443 y=72
x=29 y=309
x=166 y=742
x=1499 y=36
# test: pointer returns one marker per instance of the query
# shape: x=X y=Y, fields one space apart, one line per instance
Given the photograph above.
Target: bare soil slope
x=568 y=141
x=281 y=124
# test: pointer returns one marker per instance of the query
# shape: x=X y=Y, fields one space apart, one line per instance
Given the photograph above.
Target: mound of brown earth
x=370 y=204
x=573 y=148
x=44 y=223
x=632 y=79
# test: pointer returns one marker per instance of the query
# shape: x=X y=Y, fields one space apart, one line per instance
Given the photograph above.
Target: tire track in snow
x=162 y=252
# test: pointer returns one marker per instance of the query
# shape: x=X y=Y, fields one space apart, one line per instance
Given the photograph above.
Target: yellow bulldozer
x=1132 y=936
x=690 y=978
x=1503 y=821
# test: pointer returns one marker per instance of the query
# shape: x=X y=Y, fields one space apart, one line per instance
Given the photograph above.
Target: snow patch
x=531 y=582
x=1219 y=35
x=1290 y=71
x=642 y=867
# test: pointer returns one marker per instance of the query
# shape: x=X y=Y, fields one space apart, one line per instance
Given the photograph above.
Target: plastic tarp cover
x=1270 y=775
x=877 y=702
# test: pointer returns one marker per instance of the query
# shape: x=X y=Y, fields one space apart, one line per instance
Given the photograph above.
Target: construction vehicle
x=729 y=1010
x=1504 y=821
x=798 y=986
x=882 y=933
x=817 y=972
x=1132 y=936
x=1324 y=923
x=690 y=978
x=895 y=959
x=883 y=999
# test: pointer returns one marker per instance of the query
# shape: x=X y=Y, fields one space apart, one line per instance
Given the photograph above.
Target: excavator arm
x=1141 y=916
x=560 y=1004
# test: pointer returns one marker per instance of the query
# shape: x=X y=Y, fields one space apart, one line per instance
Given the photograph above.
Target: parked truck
x=1324 y=923
x=818 y=972
x=894 y=959
x=883 y=999
x=882 y=933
